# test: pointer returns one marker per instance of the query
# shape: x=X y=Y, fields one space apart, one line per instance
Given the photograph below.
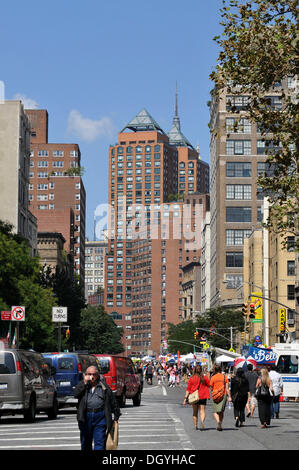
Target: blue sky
x=95 y=64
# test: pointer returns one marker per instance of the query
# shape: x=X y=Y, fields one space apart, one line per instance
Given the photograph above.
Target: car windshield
x=287 y=364
x=7 y=363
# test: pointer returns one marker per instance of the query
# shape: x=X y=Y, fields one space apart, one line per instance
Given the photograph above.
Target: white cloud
x=88 y=129
x=28 y=103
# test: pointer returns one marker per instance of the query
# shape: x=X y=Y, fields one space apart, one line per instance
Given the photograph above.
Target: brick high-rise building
x=56 y=191
x=143 y=275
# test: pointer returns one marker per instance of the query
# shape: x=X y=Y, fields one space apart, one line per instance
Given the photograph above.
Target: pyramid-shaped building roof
x=177 y=138
x=143 y=121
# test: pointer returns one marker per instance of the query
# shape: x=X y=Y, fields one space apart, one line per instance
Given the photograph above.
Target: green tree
x=19 y=273
x=259 y=49
x=217 y=318
x=99 y=333
x=68 y=293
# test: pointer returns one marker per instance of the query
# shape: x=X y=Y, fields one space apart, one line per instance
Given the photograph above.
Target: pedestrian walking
x=171 y=376
x=239 y=389
x=252 y=376
x=264 y=393
x=277 y=387
x=220 y=392
x=96 y=404
x=199 y=381
x=149 y=373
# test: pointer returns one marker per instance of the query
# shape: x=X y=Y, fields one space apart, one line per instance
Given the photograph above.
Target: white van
x=287 y=367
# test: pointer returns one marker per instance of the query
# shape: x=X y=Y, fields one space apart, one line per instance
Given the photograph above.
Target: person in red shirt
x=201 y=382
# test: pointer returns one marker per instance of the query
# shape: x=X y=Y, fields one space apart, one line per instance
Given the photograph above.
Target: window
x=234 y=259
x=238 y=214
x=238 y=170
x=236 y=237
x=239 y=126
x=238 y=147
x=58 y=153
x=291 y=268
x=58 y=164
x=234 y=281
x=291 y=292
x=266 y=147
x=291 y=244
x=238 y=191
x=42 y=164
x=43 y=153
x=287 y=364
x=238 y=102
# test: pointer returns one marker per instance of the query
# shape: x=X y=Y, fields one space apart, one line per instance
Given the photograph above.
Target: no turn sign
x=18 y=313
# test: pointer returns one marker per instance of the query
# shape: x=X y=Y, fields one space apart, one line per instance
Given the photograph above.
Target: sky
x=95 y=64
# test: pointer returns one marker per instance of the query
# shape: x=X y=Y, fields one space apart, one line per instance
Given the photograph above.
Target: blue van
x=70 y=368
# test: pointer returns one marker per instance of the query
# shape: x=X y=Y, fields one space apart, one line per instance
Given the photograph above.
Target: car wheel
x=53 y=412
x=122 y=399
x=137 y=399
x=29 y=414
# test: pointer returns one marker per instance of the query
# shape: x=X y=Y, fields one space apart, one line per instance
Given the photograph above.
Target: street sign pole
x=59 y=337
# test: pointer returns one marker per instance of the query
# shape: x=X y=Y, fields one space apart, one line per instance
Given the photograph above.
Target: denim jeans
x=93 y=429
x=275 y=405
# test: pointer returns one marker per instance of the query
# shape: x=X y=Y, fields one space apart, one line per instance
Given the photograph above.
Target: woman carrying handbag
x=198 y=392
x=264 y=393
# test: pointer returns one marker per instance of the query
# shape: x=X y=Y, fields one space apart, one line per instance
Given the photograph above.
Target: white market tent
x=224 y=358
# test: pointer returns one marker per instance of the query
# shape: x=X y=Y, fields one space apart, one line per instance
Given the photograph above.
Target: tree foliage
x=19 y=285
x=259 y=49
x=99 y=333
x=218 y=318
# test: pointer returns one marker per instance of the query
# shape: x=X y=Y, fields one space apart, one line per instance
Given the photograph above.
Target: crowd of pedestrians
x=241 y=390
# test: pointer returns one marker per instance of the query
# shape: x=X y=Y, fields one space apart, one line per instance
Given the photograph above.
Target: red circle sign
x=18 y=313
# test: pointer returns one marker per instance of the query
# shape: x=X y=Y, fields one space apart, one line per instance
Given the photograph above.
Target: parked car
x=122 y=378
x=26 y=385
x=70 y=368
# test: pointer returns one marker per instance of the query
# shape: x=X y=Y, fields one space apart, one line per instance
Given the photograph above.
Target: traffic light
x=196 y=334
x=243 y=335
x=67 y=333
x=252 y=311
x=245 y=309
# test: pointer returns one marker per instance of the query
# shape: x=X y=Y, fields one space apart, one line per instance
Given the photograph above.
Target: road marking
x=164 y=390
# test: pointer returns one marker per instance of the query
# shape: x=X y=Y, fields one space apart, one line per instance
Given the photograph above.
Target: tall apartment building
x=14 y=171
x=95 y=254
x=143 y=276
x=238 y=156
x=193 y=173
x=56 y=191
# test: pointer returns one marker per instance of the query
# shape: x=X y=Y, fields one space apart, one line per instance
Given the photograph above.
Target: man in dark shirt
x=95 y=408
x=252 y=376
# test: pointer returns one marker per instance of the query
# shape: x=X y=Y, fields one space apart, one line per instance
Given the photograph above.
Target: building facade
x=56 y=191
x=238 y=157
x=143 y=271
x=14 y=171
x=95 y=254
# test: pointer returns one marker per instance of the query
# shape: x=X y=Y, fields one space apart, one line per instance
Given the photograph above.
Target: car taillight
x=19 y=367
x=79 y=368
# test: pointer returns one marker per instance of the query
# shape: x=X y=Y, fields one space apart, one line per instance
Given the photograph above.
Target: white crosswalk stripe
x=151 y=426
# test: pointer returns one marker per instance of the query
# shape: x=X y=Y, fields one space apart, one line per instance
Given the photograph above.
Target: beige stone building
x=237 y=158
x=191 y=290
x=269 y=270
x=14 y=170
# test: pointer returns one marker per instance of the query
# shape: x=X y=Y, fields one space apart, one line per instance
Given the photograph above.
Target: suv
x=122 y=378
x=69 y=371
x=26 y=385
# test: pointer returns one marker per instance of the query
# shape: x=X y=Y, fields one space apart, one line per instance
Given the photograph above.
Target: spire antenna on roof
x=176 y=119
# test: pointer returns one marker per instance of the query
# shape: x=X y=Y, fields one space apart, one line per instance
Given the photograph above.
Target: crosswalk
x=151 y=426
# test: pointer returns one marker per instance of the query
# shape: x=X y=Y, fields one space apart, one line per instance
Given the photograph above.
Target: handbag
x=112 y=437
x=218 y=395
x=262 y=391
x=193 y=398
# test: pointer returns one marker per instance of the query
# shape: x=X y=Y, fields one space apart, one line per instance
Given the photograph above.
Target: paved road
x=160 y=423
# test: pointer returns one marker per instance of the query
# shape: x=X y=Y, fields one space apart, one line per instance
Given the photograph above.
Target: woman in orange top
x=219 y=383
x=201 y=382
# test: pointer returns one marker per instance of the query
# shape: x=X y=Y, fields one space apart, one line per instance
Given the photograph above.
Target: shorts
x=252 y=401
